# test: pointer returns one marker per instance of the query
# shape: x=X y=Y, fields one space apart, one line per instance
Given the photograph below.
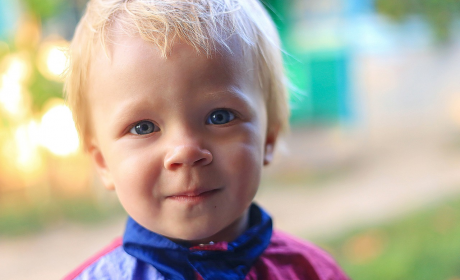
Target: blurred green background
x=370 y=172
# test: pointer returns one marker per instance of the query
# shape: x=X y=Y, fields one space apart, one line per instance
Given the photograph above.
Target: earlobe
x=270 y=142
x=101 y=167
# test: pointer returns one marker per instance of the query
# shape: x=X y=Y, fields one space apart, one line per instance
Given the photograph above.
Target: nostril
x=174 y=165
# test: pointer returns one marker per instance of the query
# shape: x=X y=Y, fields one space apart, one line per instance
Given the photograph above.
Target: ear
x=270 y=141
x=101 y=167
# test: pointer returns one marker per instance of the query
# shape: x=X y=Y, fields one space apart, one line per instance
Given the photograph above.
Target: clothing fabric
x=259 y=253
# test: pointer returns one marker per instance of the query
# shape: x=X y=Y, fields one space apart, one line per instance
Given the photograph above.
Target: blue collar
x=177 y=262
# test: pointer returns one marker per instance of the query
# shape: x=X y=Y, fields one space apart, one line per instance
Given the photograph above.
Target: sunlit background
x=370 y=171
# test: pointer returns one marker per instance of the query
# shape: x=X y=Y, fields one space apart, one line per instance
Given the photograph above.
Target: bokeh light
x=10 y=94
x=16 y=71
x=26 y=139
x=18 y=68
x=56 y=61
x=57 y=131
x=52 y=59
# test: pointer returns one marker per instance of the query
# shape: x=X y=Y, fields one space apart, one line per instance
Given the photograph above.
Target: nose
x=187 y=155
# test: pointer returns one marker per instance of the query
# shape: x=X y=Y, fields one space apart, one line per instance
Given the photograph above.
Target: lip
x=193 y=196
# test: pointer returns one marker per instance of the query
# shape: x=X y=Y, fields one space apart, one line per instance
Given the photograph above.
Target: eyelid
x=237 y=115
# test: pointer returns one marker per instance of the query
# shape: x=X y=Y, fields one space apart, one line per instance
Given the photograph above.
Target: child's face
x=182 y=140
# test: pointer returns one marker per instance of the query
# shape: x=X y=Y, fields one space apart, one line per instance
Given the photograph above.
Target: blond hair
x=203 y=24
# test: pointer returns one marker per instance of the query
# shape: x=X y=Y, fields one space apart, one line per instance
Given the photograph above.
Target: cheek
x=244 y=161
x=135 y=172
x=250 y=165
x=137 y=185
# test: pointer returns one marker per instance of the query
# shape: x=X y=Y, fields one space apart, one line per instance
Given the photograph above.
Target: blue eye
x=220 y=116
x=144 y=127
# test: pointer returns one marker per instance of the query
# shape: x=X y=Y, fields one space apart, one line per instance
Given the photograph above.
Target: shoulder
x=94 y=259
x=113 y=262
x=283 y=244
x=289 y=257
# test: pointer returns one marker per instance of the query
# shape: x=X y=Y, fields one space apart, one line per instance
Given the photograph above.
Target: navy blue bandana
x=177 y=262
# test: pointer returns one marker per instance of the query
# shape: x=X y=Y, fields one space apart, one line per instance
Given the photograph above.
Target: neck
x=228 y=234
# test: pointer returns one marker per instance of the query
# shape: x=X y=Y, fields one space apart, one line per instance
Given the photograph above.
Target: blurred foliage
x=440 y=14
x=423 y=246
x=24 y=218
x=45 y=9
x=42 y=90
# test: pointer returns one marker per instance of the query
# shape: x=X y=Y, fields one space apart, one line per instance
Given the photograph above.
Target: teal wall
x=322 y=95
x=320 y=91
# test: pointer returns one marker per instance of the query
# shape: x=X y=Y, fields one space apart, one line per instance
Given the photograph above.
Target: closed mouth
x=193 y=196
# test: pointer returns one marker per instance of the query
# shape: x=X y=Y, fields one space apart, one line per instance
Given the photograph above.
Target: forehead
x=124 y=54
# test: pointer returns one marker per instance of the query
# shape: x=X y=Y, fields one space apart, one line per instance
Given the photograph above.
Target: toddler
x=180 y=103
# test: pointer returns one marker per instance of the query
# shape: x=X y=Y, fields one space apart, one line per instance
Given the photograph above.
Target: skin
x=189 y=180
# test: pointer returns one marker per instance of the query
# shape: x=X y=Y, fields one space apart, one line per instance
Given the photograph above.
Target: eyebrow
x=132 y=105
x=233 y=93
